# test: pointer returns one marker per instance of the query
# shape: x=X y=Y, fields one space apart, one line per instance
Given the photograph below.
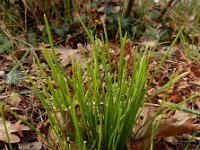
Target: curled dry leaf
x=18 y=128
x=172 y=124
x=11 y=128
x=177 y=124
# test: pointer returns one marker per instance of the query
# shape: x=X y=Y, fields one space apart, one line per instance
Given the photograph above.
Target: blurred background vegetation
x=22 y=22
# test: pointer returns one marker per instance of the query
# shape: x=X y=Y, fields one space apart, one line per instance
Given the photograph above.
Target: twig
x=129 y=8
x=165 y=9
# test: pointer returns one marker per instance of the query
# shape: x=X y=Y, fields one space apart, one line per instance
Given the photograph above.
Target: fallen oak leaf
x=178 y=124
x=65 y=56
x=175 y=123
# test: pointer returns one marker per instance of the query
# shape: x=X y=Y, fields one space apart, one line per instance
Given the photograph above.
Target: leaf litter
x=173 y=124
x=12 y=128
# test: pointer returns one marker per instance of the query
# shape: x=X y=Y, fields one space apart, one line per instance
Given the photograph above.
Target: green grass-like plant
x=107 y=109
x=98 y=108
x=191 y=48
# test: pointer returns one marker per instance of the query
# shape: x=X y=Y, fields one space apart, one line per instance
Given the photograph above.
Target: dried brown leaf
x=178 y=124
x=13 y=99
x=65 y=56
x=175 y=98
x=11 y=129
x=37 y=145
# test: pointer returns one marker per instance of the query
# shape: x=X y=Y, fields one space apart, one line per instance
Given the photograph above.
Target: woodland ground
x=179 y=129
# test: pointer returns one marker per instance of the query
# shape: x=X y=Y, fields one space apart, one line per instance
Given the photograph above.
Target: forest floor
x=178 y=129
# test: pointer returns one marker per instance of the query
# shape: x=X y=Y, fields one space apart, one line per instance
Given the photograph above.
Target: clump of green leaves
x=98 y=111
x=108 y=107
